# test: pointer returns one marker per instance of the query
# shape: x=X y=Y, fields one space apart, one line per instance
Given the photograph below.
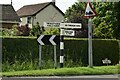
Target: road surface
x=91 y=77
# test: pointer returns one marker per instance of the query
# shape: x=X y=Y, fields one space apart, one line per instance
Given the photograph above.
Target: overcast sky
x=62 y=4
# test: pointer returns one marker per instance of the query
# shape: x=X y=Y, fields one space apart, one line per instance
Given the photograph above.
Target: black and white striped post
x=61 y=47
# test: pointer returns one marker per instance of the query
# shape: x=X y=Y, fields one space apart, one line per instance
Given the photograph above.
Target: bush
x=77 y=51
x=23 y=30
x=51 y=31
x=16 y=30
x=25 y=50
x=36 y=30
x=10 y=32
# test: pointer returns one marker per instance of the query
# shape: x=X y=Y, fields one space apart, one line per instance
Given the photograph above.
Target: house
x=44 y=12
x=8 y=16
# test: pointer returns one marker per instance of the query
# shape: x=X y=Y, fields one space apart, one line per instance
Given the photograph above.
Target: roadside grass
x=101 y=70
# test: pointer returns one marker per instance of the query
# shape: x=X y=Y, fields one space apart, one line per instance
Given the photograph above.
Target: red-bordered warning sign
x=89 y=11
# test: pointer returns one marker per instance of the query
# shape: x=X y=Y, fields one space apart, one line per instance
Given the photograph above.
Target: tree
x=108 y=19
x=116 y=27
x=103 y=30
x=75 y=15
x=37 y=30
x=75 y=12
x=104 y=21
x=106 y=24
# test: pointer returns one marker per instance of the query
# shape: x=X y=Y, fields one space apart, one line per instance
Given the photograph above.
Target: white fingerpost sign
x=71 y=25
x=51 y=24
x=69 y=32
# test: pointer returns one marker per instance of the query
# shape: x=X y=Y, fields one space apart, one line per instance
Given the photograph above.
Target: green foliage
x=103 y=31
x=19 y=66
x=10 y=32
x=105 y=22
x=75 y=15
x=22 y=49
x=52 y=31
x=116 y=27
x=36 y=30
x=16 y=30
x=25 y=51
x=65 y=71
x=101 y=50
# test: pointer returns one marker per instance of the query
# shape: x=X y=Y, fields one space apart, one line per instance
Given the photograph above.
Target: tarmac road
x=91 y=77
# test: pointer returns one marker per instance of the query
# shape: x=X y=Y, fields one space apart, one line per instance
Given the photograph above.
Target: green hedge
x=76 y=51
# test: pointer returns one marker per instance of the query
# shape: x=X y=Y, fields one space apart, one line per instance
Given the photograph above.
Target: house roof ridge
x=36 y=4
x=33 y=9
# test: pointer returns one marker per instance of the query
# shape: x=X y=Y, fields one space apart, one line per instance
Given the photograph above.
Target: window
x=29 y=20
x=34 y=17
x=21 y=19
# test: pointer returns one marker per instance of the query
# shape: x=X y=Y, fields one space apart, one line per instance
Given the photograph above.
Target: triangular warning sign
x=89 y=11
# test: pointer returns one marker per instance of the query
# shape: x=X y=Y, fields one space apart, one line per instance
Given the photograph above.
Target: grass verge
x=65 y=71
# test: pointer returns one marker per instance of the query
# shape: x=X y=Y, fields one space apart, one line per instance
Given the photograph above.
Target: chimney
x=11 y=2
x=53 y=1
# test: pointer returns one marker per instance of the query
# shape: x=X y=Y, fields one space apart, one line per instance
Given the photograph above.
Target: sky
x=17 y=4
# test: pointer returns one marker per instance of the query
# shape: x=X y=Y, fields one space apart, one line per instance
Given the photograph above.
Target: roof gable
x=8 y=13
x=30 y=10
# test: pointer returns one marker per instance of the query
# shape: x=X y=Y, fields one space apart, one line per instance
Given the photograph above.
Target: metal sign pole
x=89 y=12
x=55 y=60
x=90 y=43
x=40 y=54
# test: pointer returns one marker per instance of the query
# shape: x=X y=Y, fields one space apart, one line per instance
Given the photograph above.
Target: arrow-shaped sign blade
x=40 y=40
x=51 y=39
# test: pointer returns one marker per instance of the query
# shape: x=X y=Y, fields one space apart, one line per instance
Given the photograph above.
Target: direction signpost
x=70 y=25
x=64 y=31
x=89 y=12
x=67 y=32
